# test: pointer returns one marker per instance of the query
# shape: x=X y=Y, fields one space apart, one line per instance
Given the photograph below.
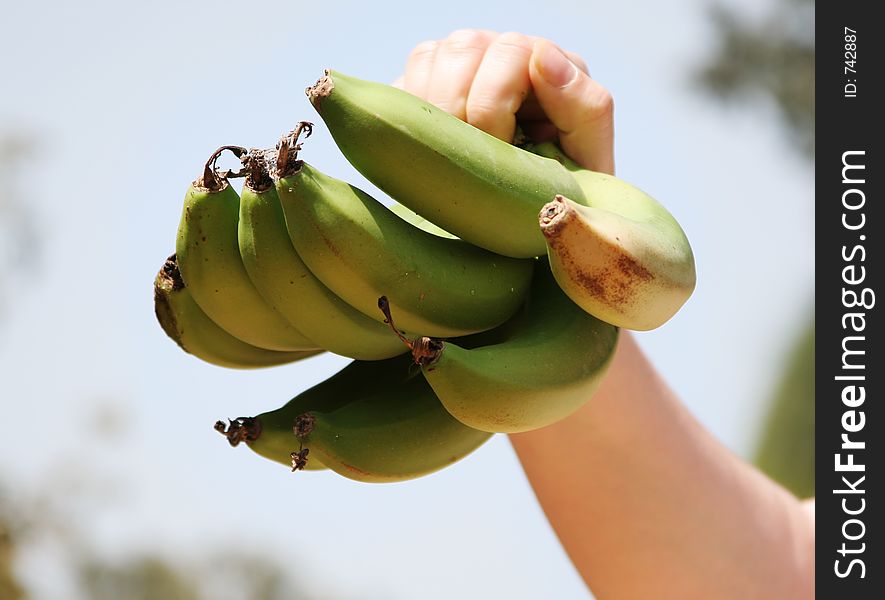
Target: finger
x=572 y=56
x=531 y=109
x=579 y=62
x=399 y=82
x=454 y=67
x=419 y=67
x=500 y=86
x=580 y=108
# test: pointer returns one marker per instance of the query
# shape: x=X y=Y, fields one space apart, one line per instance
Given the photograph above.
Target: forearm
x=649 y=505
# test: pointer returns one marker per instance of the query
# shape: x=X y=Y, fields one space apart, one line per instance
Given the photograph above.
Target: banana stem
x=299 y=459
x=321 y=89
x=302 y=427
x=425 y=350
x=255 y=165
x=384 y=305
x=215 y=180
x=172 y=273
x=241 y=429
x=550 y=213
x=288 y=148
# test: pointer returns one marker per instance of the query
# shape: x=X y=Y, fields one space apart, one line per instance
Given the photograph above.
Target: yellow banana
x=623 y=258
x=189 y=327
x=489 y=193
x=614 y=268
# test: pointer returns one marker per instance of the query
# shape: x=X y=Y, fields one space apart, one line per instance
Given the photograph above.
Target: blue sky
x=126 y=102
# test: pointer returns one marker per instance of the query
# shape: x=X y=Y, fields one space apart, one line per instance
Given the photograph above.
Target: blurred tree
x=228 y=576
x=786 y=448
x=40 y=520
x=9 y=586
x=238 y=576
x=773 y=60
x=770 y=60
x=139 y=579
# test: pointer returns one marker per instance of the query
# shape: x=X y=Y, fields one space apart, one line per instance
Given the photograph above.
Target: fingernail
x=555 y=68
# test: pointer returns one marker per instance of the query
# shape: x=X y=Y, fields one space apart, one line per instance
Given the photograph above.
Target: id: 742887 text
x=850 y=72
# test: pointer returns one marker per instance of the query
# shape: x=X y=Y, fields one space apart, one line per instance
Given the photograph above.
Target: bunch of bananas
x=487 y=337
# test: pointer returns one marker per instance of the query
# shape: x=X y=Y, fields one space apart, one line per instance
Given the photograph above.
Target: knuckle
x=494 y=103
x=466 y=40
x=605 y=102
x=425 y=47
x=599 y=103
x=453 y=106
x=513 y=40
x=481 y=111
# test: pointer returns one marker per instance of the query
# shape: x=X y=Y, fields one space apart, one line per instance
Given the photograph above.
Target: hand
x=496 y=81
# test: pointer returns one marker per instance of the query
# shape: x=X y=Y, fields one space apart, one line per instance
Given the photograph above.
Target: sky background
x=125 y=102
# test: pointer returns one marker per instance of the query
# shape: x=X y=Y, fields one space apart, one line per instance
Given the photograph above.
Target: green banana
x=468 y=182
x=290 y=287
x=410 y=216
x=183 y=321
x=547 y=365
x=617 y=269
x=361 y=250
x=248 y=429
x=372 y=421
x=210 y=263
x=463 y=179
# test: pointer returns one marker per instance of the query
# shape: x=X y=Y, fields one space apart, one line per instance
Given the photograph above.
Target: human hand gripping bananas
x=505 y=273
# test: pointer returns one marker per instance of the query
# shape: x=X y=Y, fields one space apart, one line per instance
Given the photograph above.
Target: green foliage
x=772 y=59
x=228 y=576
x=9 y=587
x=141 y=579
x=40 y=521
x=786 y=446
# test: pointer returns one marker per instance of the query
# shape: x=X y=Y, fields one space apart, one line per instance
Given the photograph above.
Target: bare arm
x=645 y=501
x=648 y=505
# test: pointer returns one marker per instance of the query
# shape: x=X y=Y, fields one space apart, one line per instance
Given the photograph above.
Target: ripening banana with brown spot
x=489 y=193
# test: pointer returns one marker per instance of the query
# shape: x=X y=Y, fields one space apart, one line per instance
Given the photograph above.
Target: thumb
x=579 y=107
